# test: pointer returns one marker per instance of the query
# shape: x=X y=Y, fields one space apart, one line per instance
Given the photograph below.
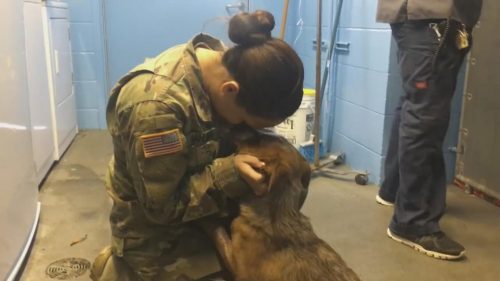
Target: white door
x=62 y=59
x=62 y=77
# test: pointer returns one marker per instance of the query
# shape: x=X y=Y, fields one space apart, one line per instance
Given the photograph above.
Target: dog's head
x=287 y=172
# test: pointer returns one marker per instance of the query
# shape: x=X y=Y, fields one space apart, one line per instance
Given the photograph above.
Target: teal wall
x=88 y=62
x=362 y=102
x=359 y=101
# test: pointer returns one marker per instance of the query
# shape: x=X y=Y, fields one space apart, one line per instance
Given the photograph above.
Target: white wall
x=18 y=192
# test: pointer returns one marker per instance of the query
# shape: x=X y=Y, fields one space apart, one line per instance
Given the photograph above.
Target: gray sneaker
x=436 y=245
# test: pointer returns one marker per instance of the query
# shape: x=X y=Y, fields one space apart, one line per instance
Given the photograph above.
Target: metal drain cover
x=67 y=268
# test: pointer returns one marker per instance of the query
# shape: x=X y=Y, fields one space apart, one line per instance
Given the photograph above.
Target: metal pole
x=283 y=20
x=333 y=41
x=317 y=106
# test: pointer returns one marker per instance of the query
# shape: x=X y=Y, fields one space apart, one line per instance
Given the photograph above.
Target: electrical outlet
x=324 y=44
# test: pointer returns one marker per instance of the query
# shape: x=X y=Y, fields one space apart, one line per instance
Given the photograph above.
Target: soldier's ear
x=230 y=88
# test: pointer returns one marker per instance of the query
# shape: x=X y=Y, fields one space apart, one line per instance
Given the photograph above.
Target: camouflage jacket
x=166 y=168
x=392 y=11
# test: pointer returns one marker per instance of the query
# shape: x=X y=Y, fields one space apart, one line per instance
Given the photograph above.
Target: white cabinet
x=60 y=69
x=38 y=87
x=19 y=195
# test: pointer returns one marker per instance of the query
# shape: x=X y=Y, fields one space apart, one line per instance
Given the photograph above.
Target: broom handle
x=283 y=19
x=317 y=107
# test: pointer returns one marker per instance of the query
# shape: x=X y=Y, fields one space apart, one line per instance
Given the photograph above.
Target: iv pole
x=317 y=107
x=360 y=178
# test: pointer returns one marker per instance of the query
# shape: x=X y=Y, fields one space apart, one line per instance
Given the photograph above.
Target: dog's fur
x=271 y=240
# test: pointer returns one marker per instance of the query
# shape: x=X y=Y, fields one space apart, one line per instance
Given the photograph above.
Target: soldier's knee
x=109 y=267
x=99 y=264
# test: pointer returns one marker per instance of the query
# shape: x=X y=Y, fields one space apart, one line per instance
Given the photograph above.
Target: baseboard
x=29 y=241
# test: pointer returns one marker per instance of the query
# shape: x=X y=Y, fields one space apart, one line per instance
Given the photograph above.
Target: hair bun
x=251 y=29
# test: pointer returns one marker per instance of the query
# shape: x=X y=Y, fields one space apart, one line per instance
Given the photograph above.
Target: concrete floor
x=75 y=205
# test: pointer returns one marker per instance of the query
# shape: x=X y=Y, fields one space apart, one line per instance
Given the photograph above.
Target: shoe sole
x=421 y=249
x=382 y=201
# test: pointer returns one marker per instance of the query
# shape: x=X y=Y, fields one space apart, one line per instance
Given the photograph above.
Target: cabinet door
x=63 y=81
x=64 y=98
x=36 y=65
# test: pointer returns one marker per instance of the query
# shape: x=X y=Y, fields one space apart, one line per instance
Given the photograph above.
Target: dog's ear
x=285 y=166
x=286 y=193
x=306 y=175
x=275 y=172
x=304 y=182
x=283 y=184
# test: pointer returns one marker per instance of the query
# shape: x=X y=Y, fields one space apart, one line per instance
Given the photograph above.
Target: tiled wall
x=359 y=98
x=88 y=62
x=135 y=30
x=93 y=80
x=359 y=101
x=304 y=34
x=367 y=88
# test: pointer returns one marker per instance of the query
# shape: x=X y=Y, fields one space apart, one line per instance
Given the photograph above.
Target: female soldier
x=167 y=118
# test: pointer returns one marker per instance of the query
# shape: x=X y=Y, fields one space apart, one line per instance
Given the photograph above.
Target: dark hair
x=269 y=72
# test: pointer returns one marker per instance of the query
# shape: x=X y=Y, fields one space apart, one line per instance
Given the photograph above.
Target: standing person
x=433 y=38
x=167 y=118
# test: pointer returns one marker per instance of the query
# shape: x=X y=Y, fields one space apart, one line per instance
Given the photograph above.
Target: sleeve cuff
x=226 y=177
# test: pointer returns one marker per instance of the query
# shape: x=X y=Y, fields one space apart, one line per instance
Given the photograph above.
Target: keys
x=434 y=27
x=462 y=39
x=461 y=36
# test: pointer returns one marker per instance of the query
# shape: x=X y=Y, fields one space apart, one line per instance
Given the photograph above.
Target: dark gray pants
x=414 y=169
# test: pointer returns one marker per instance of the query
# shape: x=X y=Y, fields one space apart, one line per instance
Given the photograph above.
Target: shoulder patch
x=162 y=143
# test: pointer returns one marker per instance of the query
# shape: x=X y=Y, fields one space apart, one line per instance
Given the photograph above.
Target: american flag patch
x=162 y=143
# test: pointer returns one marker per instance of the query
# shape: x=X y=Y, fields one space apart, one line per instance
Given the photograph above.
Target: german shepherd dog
x=270 y=239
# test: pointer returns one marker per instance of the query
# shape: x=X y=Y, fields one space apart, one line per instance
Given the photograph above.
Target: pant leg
x=138 y=258
x=142 y=255
x=429 y=80
x=390 y=183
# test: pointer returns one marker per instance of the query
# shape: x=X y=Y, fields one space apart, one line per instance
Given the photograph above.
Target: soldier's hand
x=248 y=167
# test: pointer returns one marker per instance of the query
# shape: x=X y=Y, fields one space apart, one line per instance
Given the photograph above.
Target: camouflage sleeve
x=158 y=163
x=156 y=159
x=217 y=180
x=226 y=178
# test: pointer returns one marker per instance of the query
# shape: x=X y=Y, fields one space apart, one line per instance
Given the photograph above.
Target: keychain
x=462 y=39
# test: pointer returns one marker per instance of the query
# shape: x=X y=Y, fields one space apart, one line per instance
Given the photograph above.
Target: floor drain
x=67 y=268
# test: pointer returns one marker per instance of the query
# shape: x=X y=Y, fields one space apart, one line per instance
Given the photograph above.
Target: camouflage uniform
x=166 y=171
